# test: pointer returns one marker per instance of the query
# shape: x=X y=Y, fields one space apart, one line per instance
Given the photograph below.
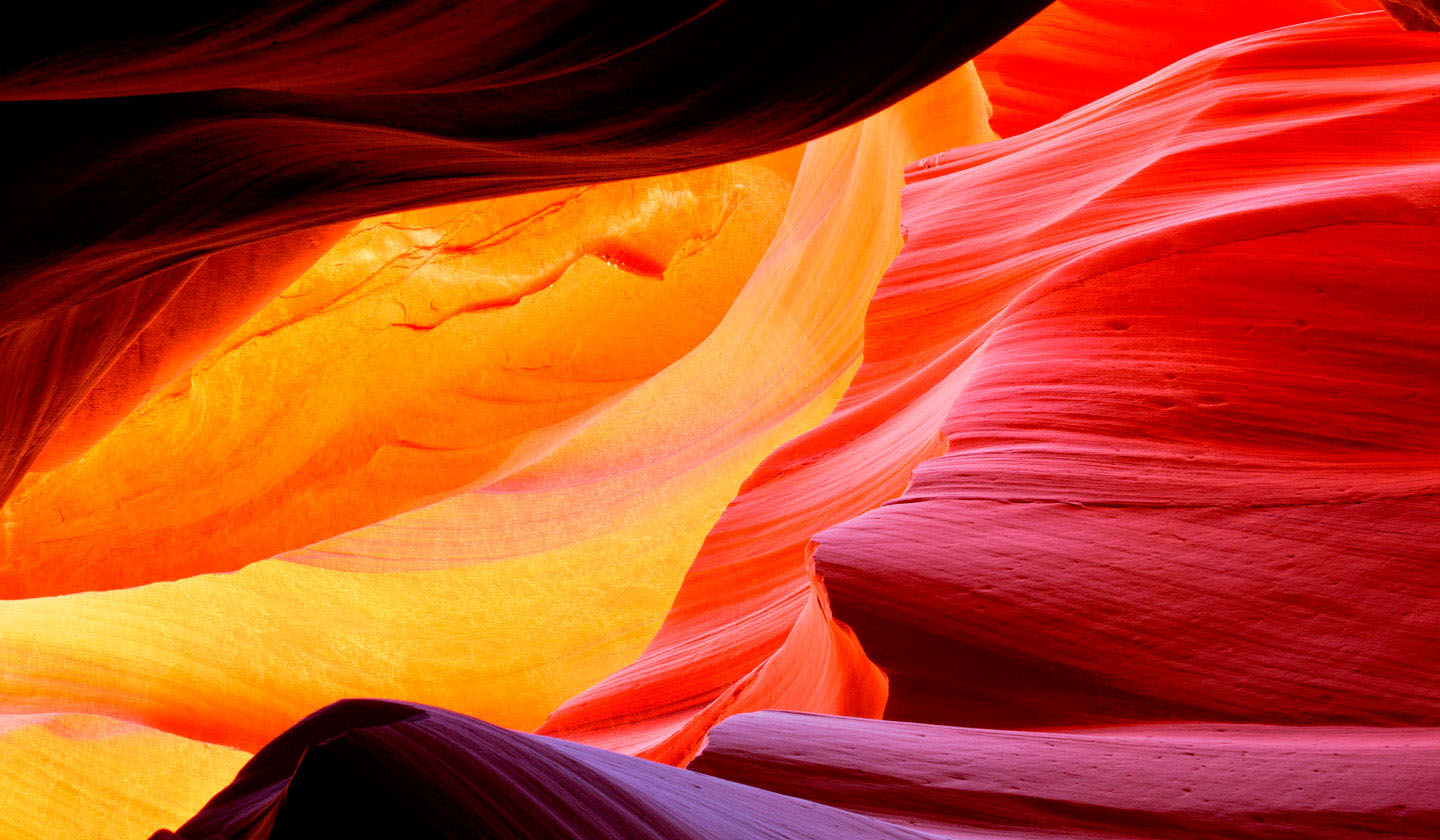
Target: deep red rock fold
x=1192 y=471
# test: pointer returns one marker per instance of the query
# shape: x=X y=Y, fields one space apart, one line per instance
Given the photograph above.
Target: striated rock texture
x=145 y=140
x=1176 y=782
x=370 y=768
x=91 y=776
x=1076 y=51
x=1137 y=428
x=750 y=627
x=1192 y=471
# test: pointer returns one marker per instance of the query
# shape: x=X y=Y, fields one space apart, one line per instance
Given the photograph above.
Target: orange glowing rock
x=508 y=598
x=425 y=352
x=67 y=376
x=86 y=776
x=224 y=290
x=50 y=361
